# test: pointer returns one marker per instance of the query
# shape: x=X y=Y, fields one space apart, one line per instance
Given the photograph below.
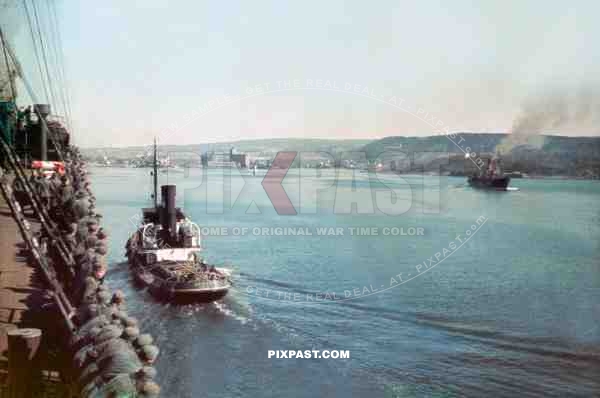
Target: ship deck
x=21 y=288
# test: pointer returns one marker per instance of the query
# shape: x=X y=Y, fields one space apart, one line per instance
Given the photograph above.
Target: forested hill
x=544 y=155
x=483 y=143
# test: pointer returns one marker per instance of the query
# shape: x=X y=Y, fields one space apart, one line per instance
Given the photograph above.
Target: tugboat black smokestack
x=168 y=216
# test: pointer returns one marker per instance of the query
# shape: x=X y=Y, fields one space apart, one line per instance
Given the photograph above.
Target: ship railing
x=37 y=249
x=60 y=298
x=38 y=208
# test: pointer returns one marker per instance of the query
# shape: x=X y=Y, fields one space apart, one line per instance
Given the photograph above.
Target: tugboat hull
x=493 y=183
x=162 y=289
x=199 y=295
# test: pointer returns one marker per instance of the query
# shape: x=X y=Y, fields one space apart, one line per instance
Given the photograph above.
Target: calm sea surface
x=506 y=303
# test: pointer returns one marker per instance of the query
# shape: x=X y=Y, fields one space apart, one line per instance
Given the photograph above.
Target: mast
x=155 y=175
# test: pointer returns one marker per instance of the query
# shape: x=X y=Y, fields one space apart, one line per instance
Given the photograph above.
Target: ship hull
x=198 y=296
x=168 y=291
x=201 y=288
x=492 y=183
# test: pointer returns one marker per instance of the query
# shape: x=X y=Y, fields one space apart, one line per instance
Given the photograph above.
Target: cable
x=60 y=58
x=50 y=84
x=31 y=93
x=33 y=96
x=37 y=55
x=8 y=71
x=52 y=27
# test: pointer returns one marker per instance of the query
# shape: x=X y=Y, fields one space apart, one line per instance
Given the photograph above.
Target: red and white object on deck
x=48 y=167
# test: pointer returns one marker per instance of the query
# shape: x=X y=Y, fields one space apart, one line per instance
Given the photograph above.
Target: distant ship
x=492 y=178
x=164 y=254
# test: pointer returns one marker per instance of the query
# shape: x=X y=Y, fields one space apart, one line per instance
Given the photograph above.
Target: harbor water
x=465 y=293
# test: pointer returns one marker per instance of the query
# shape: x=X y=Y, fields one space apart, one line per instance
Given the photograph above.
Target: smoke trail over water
x=554 y=111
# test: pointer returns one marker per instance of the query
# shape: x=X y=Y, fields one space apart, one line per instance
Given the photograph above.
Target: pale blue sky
x=135 y=68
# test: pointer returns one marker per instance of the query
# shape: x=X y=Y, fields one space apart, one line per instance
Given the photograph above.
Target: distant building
x=241 y=160
x=263 y=163
x=231 y=158
x=220 y=160
x=222 y=157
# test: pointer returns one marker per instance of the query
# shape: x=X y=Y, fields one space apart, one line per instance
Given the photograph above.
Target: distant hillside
x=265 y=147
x=298 y=145
x=544 y=155
x=551 y=155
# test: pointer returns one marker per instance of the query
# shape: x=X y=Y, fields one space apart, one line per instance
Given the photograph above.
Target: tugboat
x=164 y=254
x=492 y=178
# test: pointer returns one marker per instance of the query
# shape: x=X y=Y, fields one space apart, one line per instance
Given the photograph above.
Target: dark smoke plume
x=557 y=112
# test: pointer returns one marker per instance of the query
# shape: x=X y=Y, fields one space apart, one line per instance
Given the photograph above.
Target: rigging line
x=37 y=55
x=50 y=84
x=8 y=72
x=57 y=60
x=29 y=89
x=54 y=61
x=61 y=54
